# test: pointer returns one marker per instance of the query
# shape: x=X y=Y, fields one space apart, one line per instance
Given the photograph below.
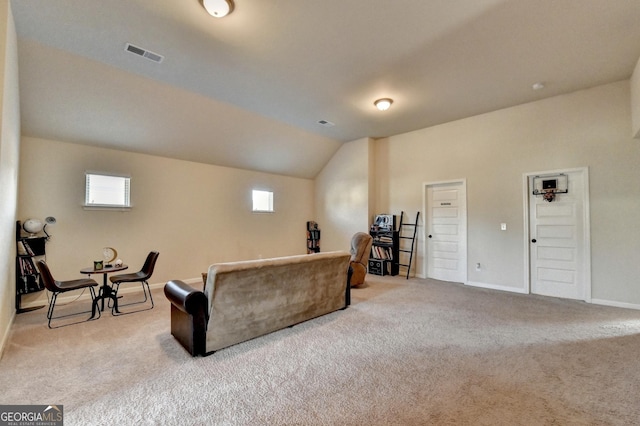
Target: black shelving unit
x=385 y=247
x=28 y=251
x=313 y=238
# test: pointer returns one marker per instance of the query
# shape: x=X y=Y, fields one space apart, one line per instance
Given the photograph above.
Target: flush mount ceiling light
x=218 y=8
x=383 y=104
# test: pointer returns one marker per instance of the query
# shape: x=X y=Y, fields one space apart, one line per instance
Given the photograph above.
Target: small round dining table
x=106 y=292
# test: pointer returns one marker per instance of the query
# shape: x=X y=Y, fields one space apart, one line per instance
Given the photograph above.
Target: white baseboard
x=522 y=291
x=5 y=339
x=490 y=286
x=615 y=304
x=497 y=287
x=196 y=282
x=190 y=281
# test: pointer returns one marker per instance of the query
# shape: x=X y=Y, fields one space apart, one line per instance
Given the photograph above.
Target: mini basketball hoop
x=549 y=186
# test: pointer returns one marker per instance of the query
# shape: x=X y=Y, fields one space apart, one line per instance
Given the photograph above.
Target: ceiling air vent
x=144 y=53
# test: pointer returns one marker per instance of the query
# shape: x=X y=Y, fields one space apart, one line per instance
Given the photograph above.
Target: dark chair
x=57 y=287
x=141 y=276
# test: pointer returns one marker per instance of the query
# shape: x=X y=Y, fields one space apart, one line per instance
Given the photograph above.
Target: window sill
x=112 y=208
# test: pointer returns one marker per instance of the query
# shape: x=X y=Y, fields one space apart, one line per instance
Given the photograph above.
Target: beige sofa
x=244 y=300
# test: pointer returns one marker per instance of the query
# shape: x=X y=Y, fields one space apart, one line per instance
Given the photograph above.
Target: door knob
x=429 y=235
x=534 y=241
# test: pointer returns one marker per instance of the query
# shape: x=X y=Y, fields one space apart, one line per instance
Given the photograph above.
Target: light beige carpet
x=416 y=352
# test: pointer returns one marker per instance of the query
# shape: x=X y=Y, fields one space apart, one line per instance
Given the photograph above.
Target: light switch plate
x=503 y=226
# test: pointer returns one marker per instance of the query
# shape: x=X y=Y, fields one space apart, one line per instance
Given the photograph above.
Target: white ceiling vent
x=144 y=53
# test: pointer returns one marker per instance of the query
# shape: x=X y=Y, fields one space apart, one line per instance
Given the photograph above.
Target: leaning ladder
x=412 y=238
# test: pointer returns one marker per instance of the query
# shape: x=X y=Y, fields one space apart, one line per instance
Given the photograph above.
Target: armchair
x=360 y=251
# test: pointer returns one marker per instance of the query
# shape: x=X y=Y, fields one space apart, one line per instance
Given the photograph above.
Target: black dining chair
x=59 y=287
x=142 y=277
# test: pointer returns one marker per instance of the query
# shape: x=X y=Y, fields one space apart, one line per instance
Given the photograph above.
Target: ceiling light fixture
x=218 y=8
x=383 y=104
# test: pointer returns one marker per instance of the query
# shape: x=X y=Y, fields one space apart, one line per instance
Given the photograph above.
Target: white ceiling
x=248 y=90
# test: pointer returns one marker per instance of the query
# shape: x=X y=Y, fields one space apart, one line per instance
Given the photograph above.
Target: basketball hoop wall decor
x=549 y=186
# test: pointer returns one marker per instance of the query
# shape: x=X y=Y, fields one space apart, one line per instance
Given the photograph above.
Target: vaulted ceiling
x=249 y=90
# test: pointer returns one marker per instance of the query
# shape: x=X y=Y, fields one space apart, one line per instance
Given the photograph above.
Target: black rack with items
x=29 y=249
x=313 y=237
x=385 y=247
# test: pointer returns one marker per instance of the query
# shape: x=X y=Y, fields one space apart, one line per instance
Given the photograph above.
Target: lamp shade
x=33 y=226
x=49 y=220
x=218 y=8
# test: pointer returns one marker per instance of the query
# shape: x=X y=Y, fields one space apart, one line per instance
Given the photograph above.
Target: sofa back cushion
x=252 y=298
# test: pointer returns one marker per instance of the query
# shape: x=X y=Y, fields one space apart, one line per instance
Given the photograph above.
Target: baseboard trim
x=602 y=302
x=195 y=282
x=7 y=334
x=198 y=281
x=615 y=304
x=496 y=287
x=130 y=288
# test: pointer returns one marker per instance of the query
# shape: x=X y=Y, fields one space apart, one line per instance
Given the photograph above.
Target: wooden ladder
x=412 y=238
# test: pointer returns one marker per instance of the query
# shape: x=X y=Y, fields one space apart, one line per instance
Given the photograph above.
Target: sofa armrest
x=359 y=272
x=189 y=316
x=185 y=297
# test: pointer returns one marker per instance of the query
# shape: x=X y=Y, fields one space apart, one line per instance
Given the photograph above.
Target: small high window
x=107 y=191
x=262 y=201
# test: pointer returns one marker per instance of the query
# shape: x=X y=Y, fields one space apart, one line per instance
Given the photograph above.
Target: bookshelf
x=28 y=251
x=313 y=237
x=385 y=247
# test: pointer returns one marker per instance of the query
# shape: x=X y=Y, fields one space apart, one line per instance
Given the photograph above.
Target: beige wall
x=343 y=195
x=635 y=101
x=193 y=214
x=9 y=154
x=492 y=152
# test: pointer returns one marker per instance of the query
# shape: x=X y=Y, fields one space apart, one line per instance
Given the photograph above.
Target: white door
x=446 y=231
x=558 y=238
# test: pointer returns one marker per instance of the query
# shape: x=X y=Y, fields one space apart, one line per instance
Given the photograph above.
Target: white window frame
x=262 y=201
x=122 y=190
